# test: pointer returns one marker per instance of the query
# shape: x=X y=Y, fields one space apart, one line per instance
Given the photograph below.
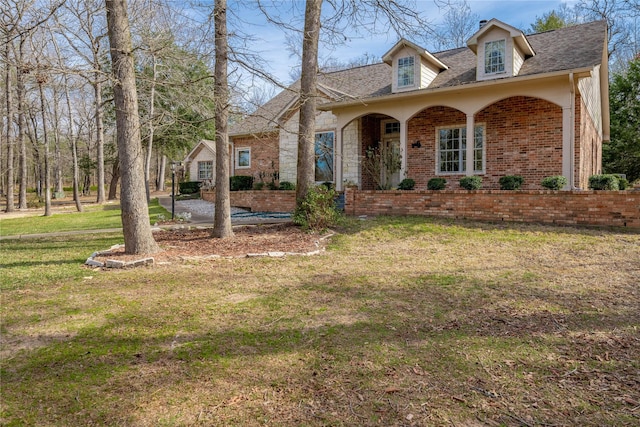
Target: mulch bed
x=185 y=243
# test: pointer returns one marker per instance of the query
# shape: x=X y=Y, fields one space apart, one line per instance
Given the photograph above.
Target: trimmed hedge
x=471 y=182
x=240 y=183
x=189 y=187
x=511 y=182
x=604 y=182
x=407 y=184
x=286 y=185
x=555 y=182
x=436 y=184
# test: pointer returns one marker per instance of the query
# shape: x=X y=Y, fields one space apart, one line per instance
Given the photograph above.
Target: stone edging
x=111 y=263
x=91 y=262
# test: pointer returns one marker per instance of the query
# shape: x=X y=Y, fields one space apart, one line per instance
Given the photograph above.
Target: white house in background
x=200 y=163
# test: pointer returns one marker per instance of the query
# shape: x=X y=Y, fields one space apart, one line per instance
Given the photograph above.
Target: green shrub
x=407 y=184
x=604 y=182
x=436 y=184
x=240 y=183
x=272 y=186
x=623 y=183
x=471 y=182
x=189 y=187
x=328 y=185
x=258 y=186
x=317 y=211
x=286 y=185
x=511 y=182
x=555 y=182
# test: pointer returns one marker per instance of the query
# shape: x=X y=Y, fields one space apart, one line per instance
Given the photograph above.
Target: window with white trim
x=391 y=127
x=243 y=158
x=205 y=170
x=452 y=150
x=494 y=57
x=406 y=71
x=324 y=156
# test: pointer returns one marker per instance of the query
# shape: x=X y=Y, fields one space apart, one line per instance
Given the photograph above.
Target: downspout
x=572 y=132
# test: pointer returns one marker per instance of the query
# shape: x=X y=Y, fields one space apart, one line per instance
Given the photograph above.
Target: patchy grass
x=95 y=217
x=404 y=321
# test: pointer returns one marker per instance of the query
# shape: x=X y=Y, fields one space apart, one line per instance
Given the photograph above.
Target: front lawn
x=403 y=321
x=95 y=217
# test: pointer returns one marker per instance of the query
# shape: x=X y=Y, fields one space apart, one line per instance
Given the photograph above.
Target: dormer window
x=413 y=67
x=494 y=57
x=406 y=71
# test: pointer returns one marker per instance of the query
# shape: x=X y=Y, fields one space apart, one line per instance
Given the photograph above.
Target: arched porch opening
x=426 y=152
x=523 y=136
x=372 y=152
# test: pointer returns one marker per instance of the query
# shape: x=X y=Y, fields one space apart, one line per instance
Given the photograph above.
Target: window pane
x=392 y=127
x=494 y=57
x=244 y=158
x=205 y=170
x=324 y=156
x=405 y=71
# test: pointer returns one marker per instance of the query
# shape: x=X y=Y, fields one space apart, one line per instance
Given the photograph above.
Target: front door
x=391 y=162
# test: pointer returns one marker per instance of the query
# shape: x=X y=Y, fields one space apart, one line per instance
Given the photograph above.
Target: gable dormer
x=500 y=50
x=413 y=67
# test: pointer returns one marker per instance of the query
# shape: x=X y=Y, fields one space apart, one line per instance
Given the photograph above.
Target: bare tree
x=135 y=215
x=43 y=78
x=10 y=205
x=222 y=216
x=458 y=25
x=73 y=145
x=85 y=35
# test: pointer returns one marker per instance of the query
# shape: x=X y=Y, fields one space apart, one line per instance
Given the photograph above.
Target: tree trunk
x=47 y=166
x=222 y=216
x=138 y=238
x=74 y=148
x=308 y=83
x=115 y=177
x=57 y=167
x=10 y=206
x=162 y=167
x=22 y=126
x=99 y=138
x=147 y=166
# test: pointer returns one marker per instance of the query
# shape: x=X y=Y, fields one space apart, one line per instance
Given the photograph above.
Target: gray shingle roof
x=576 y=47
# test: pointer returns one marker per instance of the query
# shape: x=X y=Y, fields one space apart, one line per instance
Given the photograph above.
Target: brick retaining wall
x=259 y=201
x=591 y=208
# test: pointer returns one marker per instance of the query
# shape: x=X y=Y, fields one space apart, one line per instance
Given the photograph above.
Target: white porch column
x=567 y=147
x=338 y=158
x=470 y=144
x=403 y=149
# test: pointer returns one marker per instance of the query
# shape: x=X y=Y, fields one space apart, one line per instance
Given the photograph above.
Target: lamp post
x=173 y=189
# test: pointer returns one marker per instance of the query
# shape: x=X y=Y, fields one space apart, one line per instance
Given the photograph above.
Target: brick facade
x=581 y=208
x=264 y=156
x=523 y=136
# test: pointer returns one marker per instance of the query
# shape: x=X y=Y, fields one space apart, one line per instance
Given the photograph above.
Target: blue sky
x=272 y=46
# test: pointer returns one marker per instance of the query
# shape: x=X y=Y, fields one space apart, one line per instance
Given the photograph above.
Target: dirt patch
x=183 y=244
